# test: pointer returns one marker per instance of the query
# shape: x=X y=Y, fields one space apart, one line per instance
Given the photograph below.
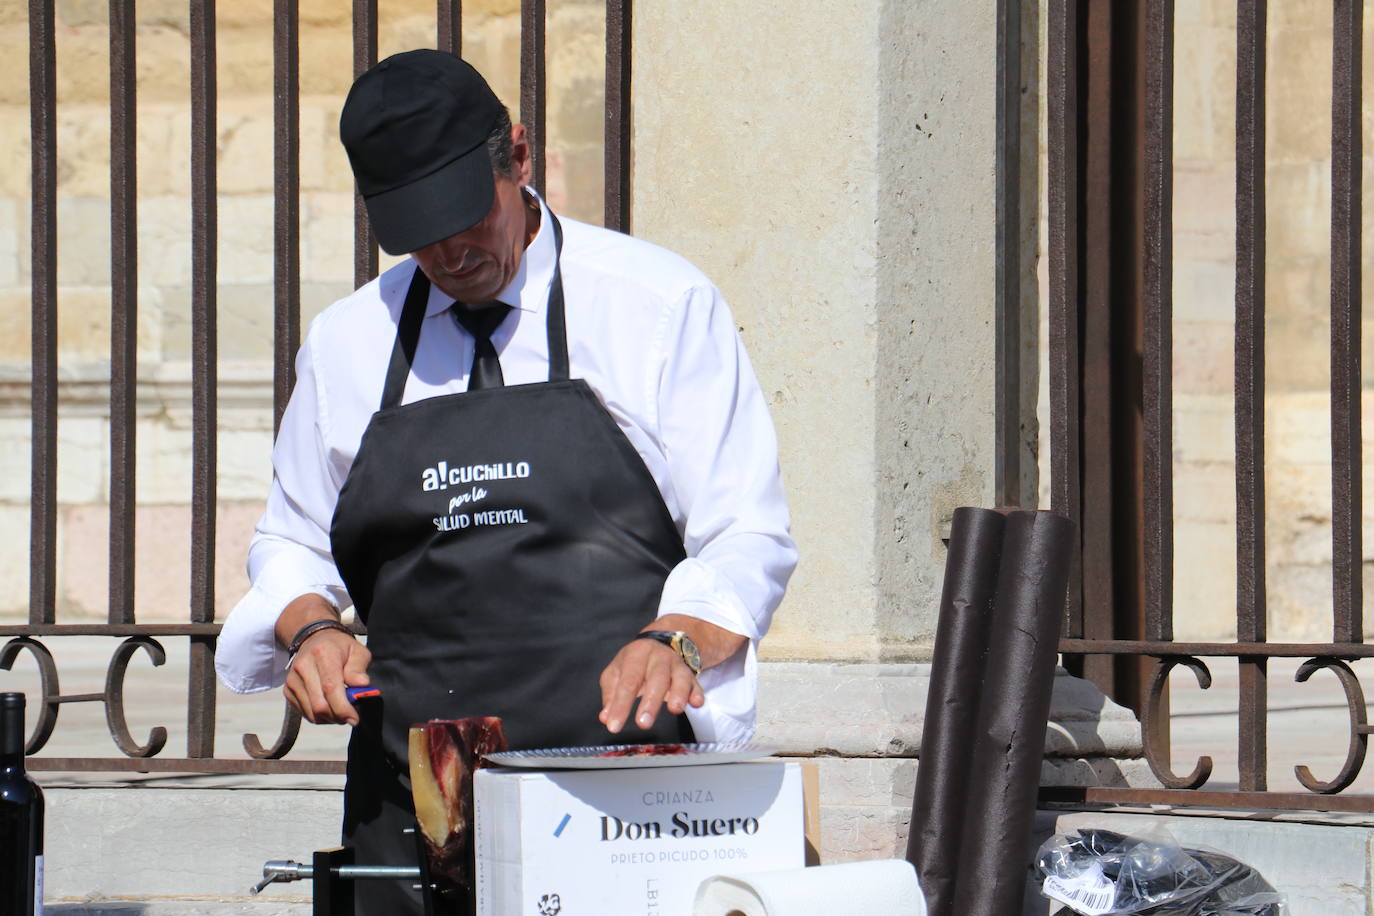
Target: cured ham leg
x=444 y=753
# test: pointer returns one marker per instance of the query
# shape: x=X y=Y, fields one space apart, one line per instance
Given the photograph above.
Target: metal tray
x=615 y=756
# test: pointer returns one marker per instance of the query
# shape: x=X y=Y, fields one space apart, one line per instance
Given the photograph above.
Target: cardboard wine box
x=629 y=841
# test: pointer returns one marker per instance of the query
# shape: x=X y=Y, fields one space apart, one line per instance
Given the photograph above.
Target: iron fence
x=200 y=629
x=1110 y=69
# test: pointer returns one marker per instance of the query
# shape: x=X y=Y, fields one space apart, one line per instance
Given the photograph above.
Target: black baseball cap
x=415 y=127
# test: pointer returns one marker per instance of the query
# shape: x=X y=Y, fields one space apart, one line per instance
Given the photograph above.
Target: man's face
x=476 y=264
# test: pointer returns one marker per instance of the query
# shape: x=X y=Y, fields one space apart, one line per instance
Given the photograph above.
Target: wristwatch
x=679 y=642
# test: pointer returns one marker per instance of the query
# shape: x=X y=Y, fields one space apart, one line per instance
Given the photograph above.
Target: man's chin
x=471 y=292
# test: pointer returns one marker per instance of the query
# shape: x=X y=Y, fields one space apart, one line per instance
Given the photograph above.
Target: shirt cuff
x=247 y=657
x=695 y=589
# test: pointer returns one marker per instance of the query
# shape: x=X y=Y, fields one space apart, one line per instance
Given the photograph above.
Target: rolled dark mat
x=956 y=675
x=1013 y=712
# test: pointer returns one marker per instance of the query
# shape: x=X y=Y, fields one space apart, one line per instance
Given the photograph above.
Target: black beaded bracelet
x=310 y=629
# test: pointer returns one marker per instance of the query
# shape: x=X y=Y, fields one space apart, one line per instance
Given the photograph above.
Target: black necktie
x=481 y=321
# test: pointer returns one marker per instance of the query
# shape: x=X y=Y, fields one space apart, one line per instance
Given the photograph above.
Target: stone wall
x=245 y=253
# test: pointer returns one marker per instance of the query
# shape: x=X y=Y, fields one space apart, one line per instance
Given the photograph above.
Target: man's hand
x=327 y=662
x=654 y=673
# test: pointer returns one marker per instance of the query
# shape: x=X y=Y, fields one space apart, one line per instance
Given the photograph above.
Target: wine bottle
x=21 y=817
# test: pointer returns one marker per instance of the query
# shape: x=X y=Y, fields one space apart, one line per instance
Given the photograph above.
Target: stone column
x=833 y=173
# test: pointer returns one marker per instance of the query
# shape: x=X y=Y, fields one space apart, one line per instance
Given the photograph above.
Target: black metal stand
x=333 y=895
x=332 y=873
x=426 y=881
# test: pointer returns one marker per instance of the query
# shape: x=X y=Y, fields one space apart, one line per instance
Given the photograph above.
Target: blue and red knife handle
x=355 y=694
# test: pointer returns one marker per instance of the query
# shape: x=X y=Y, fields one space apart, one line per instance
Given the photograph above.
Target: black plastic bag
x=1098 y=872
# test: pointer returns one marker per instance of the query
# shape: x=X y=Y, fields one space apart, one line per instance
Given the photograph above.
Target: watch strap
x=678 y=641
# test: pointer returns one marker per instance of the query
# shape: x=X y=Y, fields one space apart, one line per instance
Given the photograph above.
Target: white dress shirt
x=656 y=342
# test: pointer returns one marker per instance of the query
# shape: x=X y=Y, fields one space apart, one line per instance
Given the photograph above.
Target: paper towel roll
x=884 y=886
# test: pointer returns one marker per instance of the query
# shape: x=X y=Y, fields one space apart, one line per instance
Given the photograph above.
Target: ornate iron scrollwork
x=50 y=699
x=1360 y=728
x=1151 y=720
x=49 y=694
x=114 y=697
x=290 y=728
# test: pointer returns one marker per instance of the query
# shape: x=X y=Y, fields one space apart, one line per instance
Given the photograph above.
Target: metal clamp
x=282 y=870
x=285 y=870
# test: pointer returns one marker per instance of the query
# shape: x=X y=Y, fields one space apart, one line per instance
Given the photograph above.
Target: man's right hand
x=327 y=662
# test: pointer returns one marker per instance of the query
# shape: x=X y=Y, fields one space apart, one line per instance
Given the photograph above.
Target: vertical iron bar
x=204 y=375
x=1158 y=302
x=123 y=308
x=449 y=24
x=617 y=154
x=1251 y=601
x=1007 y=308
x=43 y=393
x=364 y=56
x=1129 y=358
x=532 y=83
x=1064 y=255
x=1346 y=181
x=1097 y=415
x=286 y=201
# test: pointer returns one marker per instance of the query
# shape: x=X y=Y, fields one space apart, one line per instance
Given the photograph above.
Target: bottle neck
x=12 y=737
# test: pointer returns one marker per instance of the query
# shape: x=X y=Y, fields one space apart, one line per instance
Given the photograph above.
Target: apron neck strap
x=558 y=330
x=413 y=315
x=407 y=337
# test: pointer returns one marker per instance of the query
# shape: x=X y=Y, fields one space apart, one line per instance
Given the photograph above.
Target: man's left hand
x=654 y=673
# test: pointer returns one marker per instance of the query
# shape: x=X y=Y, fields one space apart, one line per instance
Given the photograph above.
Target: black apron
x=501 y=545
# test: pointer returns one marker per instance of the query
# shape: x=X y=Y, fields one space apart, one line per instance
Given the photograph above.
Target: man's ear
x=521 y=156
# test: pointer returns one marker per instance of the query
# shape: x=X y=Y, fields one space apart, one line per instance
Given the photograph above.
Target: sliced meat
x=646 y=750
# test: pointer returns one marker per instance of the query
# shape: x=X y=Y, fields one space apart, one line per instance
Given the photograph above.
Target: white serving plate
x=594 y=758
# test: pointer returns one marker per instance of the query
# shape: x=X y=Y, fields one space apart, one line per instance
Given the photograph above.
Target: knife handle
x=355 y=694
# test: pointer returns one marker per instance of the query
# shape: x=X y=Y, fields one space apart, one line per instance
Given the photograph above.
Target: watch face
x=690 y=655
x=680 y=643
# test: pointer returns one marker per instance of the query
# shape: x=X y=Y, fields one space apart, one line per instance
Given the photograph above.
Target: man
x=535 y=459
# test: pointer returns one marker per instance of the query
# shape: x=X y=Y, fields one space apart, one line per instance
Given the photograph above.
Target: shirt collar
x=528 y=290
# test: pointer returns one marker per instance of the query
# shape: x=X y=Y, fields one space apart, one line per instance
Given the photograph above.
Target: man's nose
x=451 y=254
